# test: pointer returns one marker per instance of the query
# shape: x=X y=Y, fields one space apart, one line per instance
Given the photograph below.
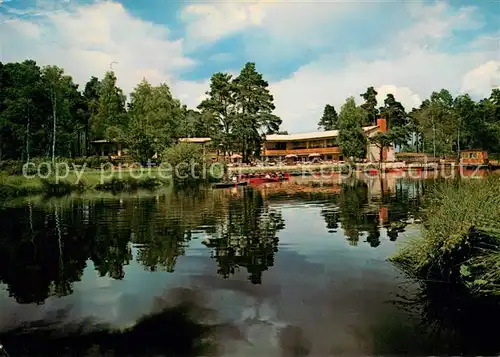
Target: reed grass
x=460 y=242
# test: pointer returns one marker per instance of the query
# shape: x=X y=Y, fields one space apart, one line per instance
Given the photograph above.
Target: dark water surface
x=274 y=271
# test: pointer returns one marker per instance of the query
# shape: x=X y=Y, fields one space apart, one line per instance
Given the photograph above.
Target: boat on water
x=260 y=179
x=229 y=184
x=252 y=179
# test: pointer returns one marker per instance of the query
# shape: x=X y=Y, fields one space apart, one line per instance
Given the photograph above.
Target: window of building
x=316 y=144
x=331 y=143
x=280 y=146
x=299 y=145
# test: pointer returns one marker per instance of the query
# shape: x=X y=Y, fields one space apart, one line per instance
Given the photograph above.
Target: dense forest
x=43 y=113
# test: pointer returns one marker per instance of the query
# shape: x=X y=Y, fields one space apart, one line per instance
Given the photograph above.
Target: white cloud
x=191 y=93
x=482 y=78
x=84 y=40
x=301 y=98
x=294 y=23
x=212 y=21
x=402 y=94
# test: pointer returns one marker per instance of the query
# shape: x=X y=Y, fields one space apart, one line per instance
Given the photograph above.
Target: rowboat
x=260 y=180
x=229 y=184
x=256 y=180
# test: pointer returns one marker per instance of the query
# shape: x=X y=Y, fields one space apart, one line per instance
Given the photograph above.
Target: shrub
x=129 y=184
x=187 y=161
x=61 y=188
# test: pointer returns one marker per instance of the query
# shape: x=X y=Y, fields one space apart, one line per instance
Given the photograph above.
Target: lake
x=289 y=269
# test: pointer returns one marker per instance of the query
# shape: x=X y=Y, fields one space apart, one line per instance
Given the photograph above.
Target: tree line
x=43 y=113
x=440 y=126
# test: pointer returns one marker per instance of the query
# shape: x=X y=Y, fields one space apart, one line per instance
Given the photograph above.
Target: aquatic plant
x=51 y=187
x=129 y=184
x=460 y=242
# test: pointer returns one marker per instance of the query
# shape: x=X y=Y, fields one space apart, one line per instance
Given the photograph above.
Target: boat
x=394 y=170
x=261 y=180
x=229 y=184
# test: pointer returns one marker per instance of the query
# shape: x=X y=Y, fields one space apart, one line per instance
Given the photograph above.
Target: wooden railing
x=321 y=151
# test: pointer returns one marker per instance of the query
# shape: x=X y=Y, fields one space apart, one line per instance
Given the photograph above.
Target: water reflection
x=324 y=292
x=179 y=325
x=44 y=249
x=437 y=318
x=247 y=236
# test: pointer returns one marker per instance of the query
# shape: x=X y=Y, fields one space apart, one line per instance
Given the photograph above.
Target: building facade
x=321 y=145
x=106 y=148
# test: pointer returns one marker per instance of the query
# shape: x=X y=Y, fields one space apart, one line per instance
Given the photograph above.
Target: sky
x=312 y=53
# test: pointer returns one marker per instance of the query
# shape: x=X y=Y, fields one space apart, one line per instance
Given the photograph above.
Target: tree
x=467 y=126
x=488 y=126
x=154 y=117
x=329 y=119
x=65 y=102
x=196 y=124
x=53 y=78
x=397 y=120
x=111 y=118
x=352 y=138
x=243 y=108
x=23 y=111
x=370 y=106
x=394 y=112
x=254 y=110
x=91 y=100
x=221 y=105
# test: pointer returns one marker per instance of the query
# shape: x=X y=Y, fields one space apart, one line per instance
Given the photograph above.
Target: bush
x=61 y=188
x=187 y=162
x=129 y=184
x=461 y=237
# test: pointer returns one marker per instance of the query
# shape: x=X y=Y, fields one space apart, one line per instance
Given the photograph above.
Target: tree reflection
x=247 y=236
x=45 y=249
x=352 y=201
x=109 y=235
x=39 y=256
x=361 y=213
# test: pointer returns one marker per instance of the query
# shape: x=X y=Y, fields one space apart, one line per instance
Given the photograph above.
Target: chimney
x=382 y=125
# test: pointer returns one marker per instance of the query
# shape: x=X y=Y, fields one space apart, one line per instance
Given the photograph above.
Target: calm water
x=283 y=270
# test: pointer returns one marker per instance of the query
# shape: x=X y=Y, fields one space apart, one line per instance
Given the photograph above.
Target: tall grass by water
x=15 y=186
x=460 y=242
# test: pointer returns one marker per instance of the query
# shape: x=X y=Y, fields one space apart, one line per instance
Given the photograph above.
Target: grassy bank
x=13 y=186
x=460 y=242
x=124 y=180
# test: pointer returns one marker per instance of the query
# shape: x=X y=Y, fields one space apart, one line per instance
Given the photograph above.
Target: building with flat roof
x=321 y=145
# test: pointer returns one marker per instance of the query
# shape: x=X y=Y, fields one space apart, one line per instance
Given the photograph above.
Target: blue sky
x=311 y=52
